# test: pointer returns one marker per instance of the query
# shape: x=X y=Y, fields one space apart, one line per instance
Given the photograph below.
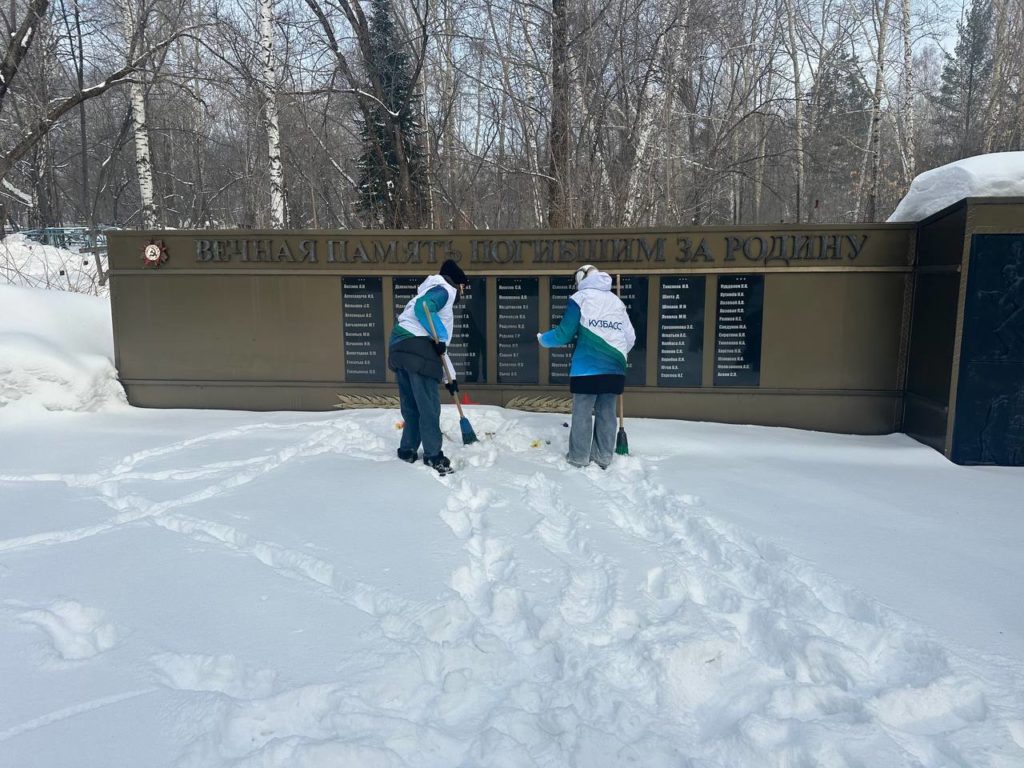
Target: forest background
x=459 y=114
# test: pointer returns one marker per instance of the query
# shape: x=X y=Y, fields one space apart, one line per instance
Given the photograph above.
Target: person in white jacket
x=598 y=322
x=417 y=357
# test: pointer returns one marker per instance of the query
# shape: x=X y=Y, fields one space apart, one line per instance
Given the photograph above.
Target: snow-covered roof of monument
x=1000 y=174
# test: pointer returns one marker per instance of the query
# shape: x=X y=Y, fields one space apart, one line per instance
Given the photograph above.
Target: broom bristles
x=621 y=443
x=468 y=435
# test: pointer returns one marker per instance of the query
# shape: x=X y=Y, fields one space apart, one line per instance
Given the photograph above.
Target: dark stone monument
x=518 y=311
x=634 y=296
x=681 y=331
x=362 y=317
x=738 y=323
x=989 y=422
x=468 y=350
x=559 y=358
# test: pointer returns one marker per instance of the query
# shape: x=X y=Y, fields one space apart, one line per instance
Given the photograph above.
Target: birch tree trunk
x=759 y=167
x=993 y=129
x=1019 y=127
x=450 y=96
x=581 y=106
x=134 y=25
x=199 y=214
x=650 y=109
x=798 y=104
x=909 y=140
x=559 y=131
x=83 y=130
x=522 y=106
x=874 y=147
x=268 y=82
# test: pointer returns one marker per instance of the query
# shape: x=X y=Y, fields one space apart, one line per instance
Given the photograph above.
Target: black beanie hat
x=454 y=272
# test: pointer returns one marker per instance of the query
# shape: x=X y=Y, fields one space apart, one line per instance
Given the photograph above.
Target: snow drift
x=56 y=351
x=1000 y=174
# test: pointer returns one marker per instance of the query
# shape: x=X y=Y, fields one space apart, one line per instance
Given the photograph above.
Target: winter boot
x=439 y=463
x=407 y=455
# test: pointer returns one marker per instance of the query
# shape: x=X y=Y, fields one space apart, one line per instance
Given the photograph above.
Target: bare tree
x=268 y=82
x=880 y=16
x=134 y=20
x=36 y=130
x=908 y=144
x=798 y=103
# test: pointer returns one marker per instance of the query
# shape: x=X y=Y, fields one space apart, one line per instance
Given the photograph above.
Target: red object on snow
x=466 y=400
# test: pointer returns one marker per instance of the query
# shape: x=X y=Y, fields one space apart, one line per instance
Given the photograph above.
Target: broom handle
x=622 y=403
x=444 y=368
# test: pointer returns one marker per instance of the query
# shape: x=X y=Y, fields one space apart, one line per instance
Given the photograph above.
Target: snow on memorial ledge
x=56 y=351
x=1000 y=174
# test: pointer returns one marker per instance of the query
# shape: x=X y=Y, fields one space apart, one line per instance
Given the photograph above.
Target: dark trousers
x=421 y=410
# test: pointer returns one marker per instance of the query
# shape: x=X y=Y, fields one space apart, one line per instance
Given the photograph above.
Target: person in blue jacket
x=596 y=319
x=418 y=360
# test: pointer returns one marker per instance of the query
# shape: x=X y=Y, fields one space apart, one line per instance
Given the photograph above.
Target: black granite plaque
x=517 y=311
x=559 y=358
x=468 y=348
x=738 y=321
x=402 y=291
x=681 y=331
x=989 y=426
x=362 y=313
x=634 y=296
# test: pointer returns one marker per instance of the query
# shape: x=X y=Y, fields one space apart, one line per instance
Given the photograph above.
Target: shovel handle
x=444 y=365
x=622 y=401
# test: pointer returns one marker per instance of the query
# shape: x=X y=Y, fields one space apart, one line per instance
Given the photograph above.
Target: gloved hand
x=452 y=387
x=440 y=347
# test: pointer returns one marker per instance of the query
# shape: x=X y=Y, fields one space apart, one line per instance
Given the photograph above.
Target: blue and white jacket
x=411 y=344
x=597 y=319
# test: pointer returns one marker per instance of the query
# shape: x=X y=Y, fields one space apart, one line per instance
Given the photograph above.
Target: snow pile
x=56 y=351
x=1000 y=174
x=28 y=263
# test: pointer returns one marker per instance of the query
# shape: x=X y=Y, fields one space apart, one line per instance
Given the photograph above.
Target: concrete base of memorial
x=868 y=413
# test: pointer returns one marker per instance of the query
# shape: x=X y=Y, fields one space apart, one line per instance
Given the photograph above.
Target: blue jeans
x=421 y=410
x=592 y=436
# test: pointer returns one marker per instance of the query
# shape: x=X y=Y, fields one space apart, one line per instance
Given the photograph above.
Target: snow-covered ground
x=998 y=174
x=186 y=588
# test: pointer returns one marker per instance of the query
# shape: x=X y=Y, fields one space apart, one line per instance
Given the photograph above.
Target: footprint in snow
x=75 y=631
x=221 y=674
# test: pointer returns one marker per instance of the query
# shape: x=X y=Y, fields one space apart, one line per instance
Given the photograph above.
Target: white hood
x=600 y=281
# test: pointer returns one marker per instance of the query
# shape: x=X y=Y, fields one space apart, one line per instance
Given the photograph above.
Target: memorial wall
x=806 y=326
x=800 y=326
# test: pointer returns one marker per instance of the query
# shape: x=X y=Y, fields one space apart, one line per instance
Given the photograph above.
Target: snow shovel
x=468 y=435
x=621 y=441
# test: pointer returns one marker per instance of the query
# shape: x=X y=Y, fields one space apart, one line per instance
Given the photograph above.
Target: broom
x=468 y=435
x=621 y=441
